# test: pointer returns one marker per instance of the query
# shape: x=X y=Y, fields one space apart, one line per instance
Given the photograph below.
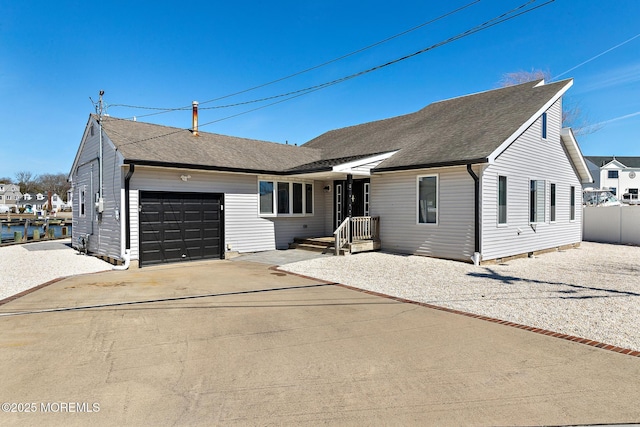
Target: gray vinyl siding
x=394 y=199
x=104 y=232
x=244 y=229
x=530 y=158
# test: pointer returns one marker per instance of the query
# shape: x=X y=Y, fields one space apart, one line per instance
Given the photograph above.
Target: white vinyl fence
x=611 y=224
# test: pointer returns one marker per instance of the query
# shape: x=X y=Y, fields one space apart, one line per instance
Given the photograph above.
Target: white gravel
x=591 y=292
x=24 y=266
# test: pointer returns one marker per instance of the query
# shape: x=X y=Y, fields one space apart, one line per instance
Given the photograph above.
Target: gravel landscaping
x=32 y=264
x=591 y=292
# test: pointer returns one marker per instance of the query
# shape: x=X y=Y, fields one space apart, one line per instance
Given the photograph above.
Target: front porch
x=355 y=234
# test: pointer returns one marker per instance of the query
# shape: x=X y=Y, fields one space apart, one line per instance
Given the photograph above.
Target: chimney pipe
x=194 y=124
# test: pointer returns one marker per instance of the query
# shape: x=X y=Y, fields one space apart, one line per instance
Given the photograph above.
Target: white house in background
x=618 y=174
x=39 y=202
x=479 y=177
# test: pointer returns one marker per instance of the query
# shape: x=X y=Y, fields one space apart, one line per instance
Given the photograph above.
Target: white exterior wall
x=530 y=158
x=244 y=229
x=103 y=230
x=623 y=183
x=394 y=200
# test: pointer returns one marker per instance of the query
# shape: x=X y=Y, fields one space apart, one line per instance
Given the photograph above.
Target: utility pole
x=100 y=111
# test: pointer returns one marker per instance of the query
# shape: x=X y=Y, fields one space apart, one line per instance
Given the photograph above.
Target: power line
x=504 y=17
x=315 y=67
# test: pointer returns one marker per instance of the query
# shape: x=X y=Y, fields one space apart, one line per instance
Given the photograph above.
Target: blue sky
x=55 y=55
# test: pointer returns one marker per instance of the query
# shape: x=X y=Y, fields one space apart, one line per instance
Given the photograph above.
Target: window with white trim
x=82 y=202
x=536 y=201
x=552 y=212
x=285 y=198
x=544 y=125
x=572 y=204
x=502 y=199
x=427 y=192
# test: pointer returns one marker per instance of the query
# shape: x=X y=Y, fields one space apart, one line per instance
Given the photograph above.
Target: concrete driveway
x=235 y=343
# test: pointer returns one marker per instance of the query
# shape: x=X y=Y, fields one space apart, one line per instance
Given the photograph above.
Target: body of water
x=8 y=230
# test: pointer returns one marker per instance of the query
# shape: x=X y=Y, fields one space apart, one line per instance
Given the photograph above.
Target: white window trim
x=553 y=221
x=82 y=199
x=575 y=203
x=275 y=198
x=544 y=126
x=498 y=223
x=417 y=205
x=544 y=204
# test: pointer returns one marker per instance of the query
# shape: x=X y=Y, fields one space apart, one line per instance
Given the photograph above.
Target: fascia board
x=346 y=167
x=572 y=147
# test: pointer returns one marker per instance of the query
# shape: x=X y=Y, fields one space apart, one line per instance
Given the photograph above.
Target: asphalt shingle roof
x=630 y=162
x=145 y=142
x=455 y=131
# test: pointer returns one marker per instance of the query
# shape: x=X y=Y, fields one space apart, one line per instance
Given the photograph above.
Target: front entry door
x=360 y=205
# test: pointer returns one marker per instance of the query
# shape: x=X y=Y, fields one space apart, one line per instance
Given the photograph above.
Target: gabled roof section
x=467 y=129
x=150 y=144
x=628 y=161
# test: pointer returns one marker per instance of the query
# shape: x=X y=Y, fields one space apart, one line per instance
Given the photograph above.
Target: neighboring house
x=39 y=202
x=618 y=174
x=479 y=177
x=10 y=195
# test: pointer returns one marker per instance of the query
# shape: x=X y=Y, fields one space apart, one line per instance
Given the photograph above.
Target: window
x=266 y=197
x=572 y=209
x=612 y=174
x=552 y=214
x=285 y=198
x=83 y=201
x=536 y=201
x=309 y=199
x=544 y=125
x=502 y=200
x=428 y=199
x=613 y=190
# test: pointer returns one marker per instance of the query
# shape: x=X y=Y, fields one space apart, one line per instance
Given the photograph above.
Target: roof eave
x=430 y=165
x=575 y=154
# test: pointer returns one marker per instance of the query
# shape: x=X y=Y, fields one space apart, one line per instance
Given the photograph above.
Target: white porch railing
x=356 y=228
x=365 y=228
x=342 y=235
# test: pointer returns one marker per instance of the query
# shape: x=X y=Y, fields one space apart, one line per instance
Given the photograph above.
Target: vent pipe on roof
x=194 y=121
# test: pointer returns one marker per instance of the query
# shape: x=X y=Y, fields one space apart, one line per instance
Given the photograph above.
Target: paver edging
x=552 y=334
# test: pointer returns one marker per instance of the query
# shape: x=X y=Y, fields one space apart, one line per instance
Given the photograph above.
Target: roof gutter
x=476 y=214
x=431 y=165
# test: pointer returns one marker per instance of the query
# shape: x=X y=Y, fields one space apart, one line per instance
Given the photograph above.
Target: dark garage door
x=180 y=227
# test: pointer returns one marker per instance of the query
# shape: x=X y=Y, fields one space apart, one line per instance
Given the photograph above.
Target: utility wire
x=481 y=27
x=315 y=67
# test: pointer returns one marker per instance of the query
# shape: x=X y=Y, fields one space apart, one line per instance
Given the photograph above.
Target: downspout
x=127 y=224
x=476 y=213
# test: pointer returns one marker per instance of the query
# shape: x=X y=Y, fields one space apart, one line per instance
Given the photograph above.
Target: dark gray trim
x=431 y=165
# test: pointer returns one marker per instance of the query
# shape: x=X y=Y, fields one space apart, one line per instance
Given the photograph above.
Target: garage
x=177 y=227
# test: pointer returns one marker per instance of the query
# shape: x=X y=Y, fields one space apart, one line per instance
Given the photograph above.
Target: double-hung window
x=285 y=198
x=536 y=201
x=428 y=199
